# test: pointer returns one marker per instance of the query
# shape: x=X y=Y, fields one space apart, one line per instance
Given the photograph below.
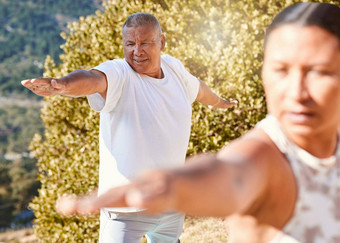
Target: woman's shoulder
x=254 y=144
x=277 y=200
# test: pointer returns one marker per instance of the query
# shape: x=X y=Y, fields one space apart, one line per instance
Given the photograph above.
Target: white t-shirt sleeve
x=115 y=75
x=191 y=82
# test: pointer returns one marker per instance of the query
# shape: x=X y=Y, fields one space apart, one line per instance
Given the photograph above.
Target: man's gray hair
x=140 y=19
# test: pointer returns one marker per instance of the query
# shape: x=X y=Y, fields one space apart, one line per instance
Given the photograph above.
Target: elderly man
x=144 y=102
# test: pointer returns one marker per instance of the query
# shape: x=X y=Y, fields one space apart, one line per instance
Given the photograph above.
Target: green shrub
x=219 y=41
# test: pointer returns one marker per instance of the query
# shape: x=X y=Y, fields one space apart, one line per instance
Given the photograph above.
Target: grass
x=204 y=230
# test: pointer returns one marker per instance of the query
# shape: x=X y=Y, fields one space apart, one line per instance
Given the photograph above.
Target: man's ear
x=162 y=42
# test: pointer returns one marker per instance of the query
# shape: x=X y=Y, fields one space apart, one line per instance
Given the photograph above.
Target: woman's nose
x=297 y=88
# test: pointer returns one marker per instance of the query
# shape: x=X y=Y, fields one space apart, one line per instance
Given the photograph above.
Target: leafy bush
x=219 y=41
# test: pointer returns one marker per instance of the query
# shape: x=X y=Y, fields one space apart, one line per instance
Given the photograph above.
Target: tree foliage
x=18 y=124
x=219 y=41
x=18 y=186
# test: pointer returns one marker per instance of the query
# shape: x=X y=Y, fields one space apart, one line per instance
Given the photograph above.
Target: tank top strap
x=272 y=128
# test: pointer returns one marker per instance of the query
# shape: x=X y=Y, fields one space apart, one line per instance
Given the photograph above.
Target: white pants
x=130 y=227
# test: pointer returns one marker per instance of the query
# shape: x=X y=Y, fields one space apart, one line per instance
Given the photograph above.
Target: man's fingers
x=26 y=82
x=233 y=102
x=225 y=104
x=36 y=84
x=44 y=86
x=36 y=81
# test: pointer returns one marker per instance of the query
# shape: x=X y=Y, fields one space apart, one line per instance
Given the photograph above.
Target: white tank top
x=316 y=215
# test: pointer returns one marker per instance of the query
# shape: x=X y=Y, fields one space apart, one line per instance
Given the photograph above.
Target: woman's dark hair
x=324 y=15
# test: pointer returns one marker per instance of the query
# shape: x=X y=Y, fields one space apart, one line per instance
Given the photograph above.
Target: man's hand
x=78 y=83
x=224 y=104
x=44 y=86
x=207 y=97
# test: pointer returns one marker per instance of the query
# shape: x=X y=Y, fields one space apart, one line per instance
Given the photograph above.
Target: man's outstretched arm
x=207 y=97
x=76 y=84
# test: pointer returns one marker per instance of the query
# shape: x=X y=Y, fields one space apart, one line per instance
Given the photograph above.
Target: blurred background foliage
x=219 y=41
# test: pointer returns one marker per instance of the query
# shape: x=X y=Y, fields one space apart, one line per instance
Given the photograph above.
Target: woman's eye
x=320 y=72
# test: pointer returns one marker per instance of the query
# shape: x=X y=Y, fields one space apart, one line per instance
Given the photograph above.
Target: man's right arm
x=76 y=84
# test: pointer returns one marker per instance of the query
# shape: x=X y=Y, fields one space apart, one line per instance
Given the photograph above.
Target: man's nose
x=138 y=50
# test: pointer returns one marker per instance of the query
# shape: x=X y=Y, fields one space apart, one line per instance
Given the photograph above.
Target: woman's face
x=301 y=75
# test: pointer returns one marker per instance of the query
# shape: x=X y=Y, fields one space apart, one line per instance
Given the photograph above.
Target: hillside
x=29 y=31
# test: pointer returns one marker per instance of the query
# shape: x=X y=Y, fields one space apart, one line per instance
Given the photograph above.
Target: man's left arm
x=207 y=97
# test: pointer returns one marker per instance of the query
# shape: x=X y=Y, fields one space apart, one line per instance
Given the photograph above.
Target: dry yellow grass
x=204 y=230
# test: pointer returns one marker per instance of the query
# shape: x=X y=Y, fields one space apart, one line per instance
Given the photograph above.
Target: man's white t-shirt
x=144 y=122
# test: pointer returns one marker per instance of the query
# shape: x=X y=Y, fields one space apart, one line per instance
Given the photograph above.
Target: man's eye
x=281 y=70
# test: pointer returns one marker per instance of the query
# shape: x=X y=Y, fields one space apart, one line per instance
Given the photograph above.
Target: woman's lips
x=300 y=117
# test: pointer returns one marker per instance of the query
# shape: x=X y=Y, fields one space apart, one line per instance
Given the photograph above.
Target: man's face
x=142 y=49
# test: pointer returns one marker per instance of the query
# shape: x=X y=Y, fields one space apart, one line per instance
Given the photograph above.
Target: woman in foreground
x=281 y=181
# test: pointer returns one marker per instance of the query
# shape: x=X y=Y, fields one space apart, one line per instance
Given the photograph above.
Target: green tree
x=23 y=186
x=6 y=208
x=219 y=41
x=18 y=124
x=18 y=186
x=29 y=30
